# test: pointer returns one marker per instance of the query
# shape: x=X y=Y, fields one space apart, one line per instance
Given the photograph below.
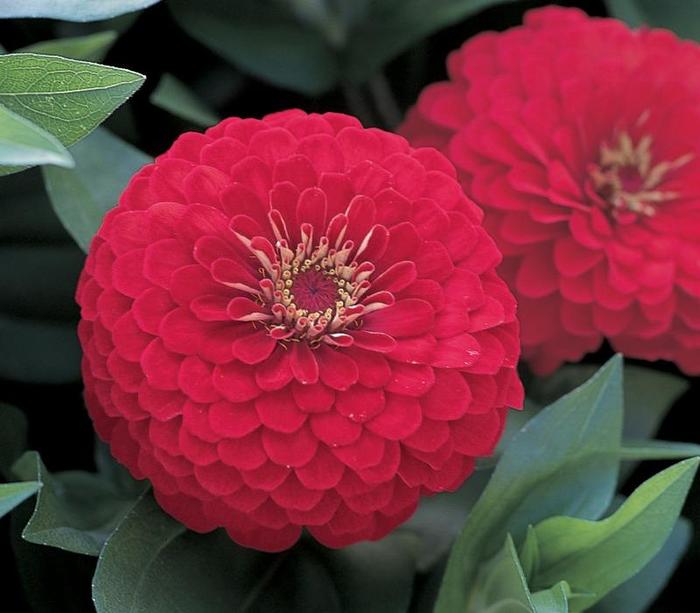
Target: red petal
x=400 y=418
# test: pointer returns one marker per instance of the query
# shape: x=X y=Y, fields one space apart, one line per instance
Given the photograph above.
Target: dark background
x=153 y=45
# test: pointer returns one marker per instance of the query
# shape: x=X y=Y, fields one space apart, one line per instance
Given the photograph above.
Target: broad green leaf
x=597 y=556
x=153 y=564
x=13 y=437
x=636 y=594
x=80 y=197
x=35 y=351
x=174 y=96
x=72 y=10
x=681 y=16
x=24 y=144
x=263 y=38
x=91 y=48
x=75 y=510
x=392 y=26
x=501 y=585
x=561 y=462
x=13 y=494
x=67 y=98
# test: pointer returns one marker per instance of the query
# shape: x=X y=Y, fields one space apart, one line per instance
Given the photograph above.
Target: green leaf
x=636 y=594
x=562 y=462
x=262 y=38
x=81 y=196
x=553 y=600
x=681 y=16
x=13 y=437
x=153 y=564
x=75 y=510
x=392 y=26
x=72 y=10
x=501 y=585
x=13 y=494
x=174 y=96
x=530 y=554
x=67 y=98
x=24 y=144
x=91 y=48
x=596 y=557
x=34 y=351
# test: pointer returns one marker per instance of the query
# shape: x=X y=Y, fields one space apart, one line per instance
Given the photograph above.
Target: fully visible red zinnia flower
x=295 y=322
x=581 y=140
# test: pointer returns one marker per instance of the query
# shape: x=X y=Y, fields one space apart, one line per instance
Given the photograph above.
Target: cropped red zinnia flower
x=580 y=138
x=295 y=322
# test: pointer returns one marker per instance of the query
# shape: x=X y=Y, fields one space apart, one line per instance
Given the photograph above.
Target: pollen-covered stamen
x=317 y=290
x=626 y=178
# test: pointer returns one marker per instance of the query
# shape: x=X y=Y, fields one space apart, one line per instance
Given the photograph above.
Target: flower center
x=316 y=291
x=626 y=179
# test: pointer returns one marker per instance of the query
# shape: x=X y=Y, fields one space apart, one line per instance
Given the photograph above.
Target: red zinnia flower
x=580 y=138
x=295 y=322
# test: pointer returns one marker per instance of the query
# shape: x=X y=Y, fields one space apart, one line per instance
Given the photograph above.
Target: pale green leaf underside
x=23 y=143
x=72 y=10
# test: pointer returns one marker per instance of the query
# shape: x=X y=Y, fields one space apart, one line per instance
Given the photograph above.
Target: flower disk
x=295 y=322
x=581 y=140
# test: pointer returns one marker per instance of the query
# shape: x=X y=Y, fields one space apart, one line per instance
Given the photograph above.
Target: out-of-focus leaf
x=13 y=437
x=14 y=494
x=24 y=144
x=392 y=26
x=681 y=16
x=80 y=197
x=596 y=557
x=561 y=462
x=72 y=10
x=35 y=351
x=75 y=510
x=67 y=98
x=636 y=594
x=91 y=48
x=439 y=519
x=25 y=213
x=263 y=38
x=375 y=576
x=38 y=281
x=649 y=394
x=174 y=96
